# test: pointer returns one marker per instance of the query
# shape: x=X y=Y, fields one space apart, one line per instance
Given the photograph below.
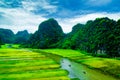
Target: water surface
x=80 y=71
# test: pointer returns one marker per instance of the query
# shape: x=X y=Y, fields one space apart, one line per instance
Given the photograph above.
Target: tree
x=1 y=42
x=6 y=35
x=73 y=39
x=101 y=37
x=117 y=38
x=21 y=37
x=49 y=33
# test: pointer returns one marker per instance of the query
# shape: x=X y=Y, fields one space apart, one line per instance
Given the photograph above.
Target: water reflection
x=82 y=72
x=66 y=64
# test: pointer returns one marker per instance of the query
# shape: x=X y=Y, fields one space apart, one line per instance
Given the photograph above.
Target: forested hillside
x=8 y=37
x=48 y=35
x=101 y=36
x=21 y=37
x=98 y=37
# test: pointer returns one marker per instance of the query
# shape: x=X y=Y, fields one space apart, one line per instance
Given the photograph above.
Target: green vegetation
x=47 y=35
x=73 y=40
x=107 y=66
x=1 y=43
x=27 y=65
x=21 y=37
x=10 y=46
x=6 y=36
x=100 y=37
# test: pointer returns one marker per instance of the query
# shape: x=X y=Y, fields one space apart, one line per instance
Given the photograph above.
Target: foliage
x=101 y=36
x=7 y=46
x=21 y=37
x=6 y=36
x=48 y=34
x=74 y=38
x=1 y=42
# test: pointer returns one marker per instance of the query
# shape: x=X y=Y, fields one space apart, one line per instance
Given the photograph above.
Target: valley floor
x=107 y=66
x=36 y=64
x=21 y=64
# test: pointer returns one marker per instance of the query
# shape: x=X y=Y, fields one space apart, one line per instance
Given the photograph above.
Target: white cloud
x=98 y=2
x=32 y=5
x=20 y=19
x=68 y=23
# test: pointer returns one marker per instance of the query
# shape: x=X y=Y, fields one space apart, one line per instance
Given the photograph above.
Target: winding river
x=80 y=71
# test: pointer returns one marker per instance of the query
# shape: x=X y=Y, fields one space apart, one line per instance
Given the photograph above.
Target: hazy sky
x=28 y=14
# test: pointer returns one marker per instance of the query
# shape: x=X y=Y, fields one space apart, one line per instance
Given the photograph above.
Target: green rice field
x=21 y=64
x=109 y=66
x=36 y=64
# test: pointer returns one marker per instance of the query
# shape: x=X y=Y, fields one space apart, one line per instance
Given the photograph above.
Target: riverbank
x=104 y=65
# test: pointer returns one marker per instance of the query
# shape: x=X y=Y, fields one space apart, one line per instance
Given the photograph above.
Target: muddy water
x=82 y=72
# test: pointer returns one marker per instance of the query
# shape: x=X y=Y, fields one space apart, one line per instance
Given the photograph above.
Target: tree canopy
x=6 y=35
x=21 y=37
x=47 y=35
x=100 y=36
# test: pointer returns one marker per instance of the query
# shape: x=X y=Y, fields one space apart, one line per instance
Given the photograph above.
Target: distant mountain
x=6 y=35
x=47 y=35
x=101 y=36
x=21 y=37
x=73 y=39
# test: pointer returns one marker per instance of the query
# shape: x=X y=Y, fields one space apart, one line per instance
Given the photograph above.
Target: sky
x=20 y=15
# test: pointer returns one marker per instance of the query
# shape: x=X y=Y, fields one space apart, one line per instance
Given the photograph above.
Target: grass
x=27 y=65
x=10 y=46
x=64 y=52
x=106 y=65
x=17 y=64
x=35 y=74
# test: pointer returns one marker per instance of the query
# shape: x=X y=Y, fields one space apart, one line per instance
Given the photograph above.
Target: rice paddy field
x=109 y=66
x=22 y=64
x=36 y=64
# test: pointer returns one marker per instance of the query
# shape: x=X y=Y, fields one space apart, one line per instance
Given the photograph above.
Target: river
x=80 y=71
